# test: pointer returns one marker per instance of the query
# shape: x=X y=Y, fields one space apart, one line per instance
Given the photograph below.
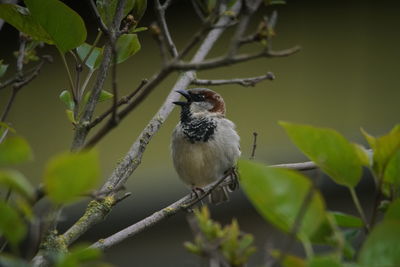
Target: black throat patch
x=196 y=129
x=199 y=130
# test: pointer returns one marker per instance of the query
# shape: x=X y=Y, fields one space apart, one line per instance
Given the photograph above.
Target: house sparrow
x=205 y=145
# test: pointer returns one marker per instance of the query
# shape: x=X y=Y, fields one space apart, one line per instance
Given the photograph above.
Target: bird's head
x=202 y=100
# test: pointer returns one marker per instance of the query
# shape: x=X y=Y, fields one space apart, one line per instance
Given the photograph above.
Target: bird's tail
x=219 y=195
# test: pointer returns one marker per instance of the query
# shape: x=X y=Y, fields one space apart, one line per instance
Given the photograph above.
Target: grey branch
x=243 y=81
x=180 y=205
x=160 y=12
x=228 y=60
x=82 y=130
x=134 y=156
x=124 y=100
x=301 y=166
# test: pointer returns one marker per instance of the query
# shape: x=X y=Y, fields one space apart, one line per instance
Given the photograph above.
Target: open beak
x=180 y=103
x=186 y=95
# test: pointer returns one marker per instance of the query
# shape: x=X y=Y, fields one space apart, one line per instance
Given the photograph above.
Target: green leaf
x=65 y=27
x=17 y=182
x=14 y=150
x=11 y=224
x=140 y=29
x=349 y=236
x=70 y=175
x=3 y=67
x=288 y=259
x=346 y=220
x=78 y=255
x=22 y=20
x=139 y=8
x=127 y=45
x=392 y=170
x=324 y=234
x=382 y=246
x=4 y=126
x=393 y=212
x=384 y=148
x=107 y=9
x=104 y=95
x=278 y=195
x=70 y=115
x=323 y=261
x=66 y=98
x=94 y=59
x=364 y=155
x=335 y=155
x=9 y=261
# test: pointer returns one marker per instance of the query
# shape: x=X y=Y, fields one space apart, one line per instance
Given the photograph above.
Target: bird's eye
x=198 y=98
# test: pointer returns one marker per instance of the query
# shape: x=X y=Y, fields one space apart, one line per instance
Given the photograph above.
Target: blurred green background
x=345 y=77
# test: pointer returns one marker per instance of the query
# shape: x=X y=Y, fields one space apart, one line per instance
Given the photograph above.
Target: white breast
x=201 y=163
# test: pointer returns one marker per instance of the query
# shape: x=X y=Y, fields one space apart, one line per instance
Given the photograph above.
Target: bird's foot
x=196 y=191
x=233 y=173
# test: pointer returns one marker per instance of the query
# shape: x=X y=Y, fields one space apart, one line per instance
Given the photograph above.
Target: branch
x=301 y=166
x=197 y=10
x=100 y=22
x=158 y=37
x=243 y=81
x=134 y=156
x=19 y=81
x=254 y=147
x=124 y=100
x=160 y=12
x=147 y=89
x=247 y=11
x=182 y=205
x=81 y=129
x=225 y=61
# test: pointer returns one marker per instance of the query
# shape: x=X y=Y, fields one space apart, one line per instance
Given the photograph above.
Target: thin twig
x=100 y=22
x=122 y=101
x=208 y=25
x=254 y=147
x=225 y=61
x=71 y=82
x=114 y=107
x=20 y=81
x=197 y=10
x=156 y=33
x=21 y=54
x=166 y=4
x=160 y=12
x=92 y=47
x=301 y=166
x=81 y=129
x=182 y=204
x=246 y=12
x=147 y=89
x=8 y=82
x=359 y=208
x=241 y=81
x=8 y=105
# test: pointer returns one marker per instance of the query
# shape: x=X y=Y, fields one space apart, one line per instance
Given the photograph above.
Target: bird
x=205 y=145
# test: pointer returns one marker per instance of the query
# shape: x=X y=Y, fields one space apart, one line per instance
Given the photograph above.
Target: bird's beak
x=185 y=94
x=180 y=103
